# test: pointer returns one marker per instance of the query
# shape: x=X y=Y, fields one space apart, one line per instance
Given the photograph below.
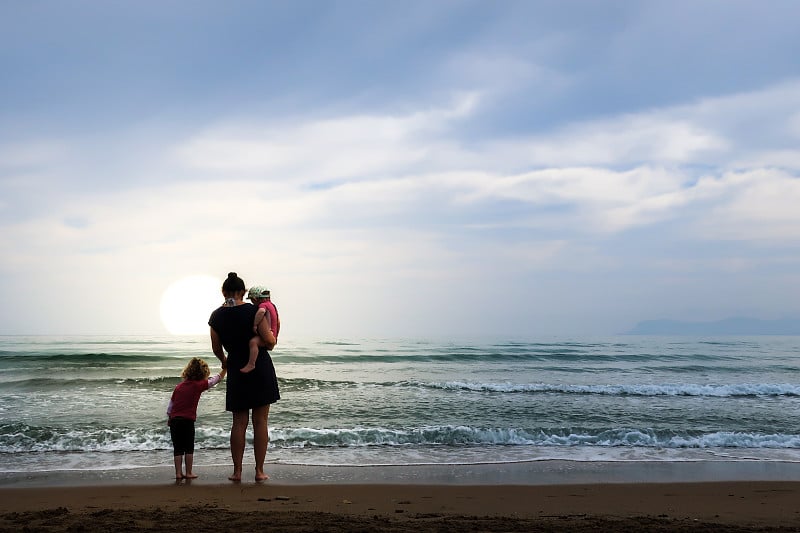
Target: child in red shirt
x=182 y=412
x=260 y=296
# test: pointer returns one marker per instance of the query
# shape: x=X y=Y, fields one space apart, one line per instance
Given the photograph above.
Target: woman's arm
x=266 y=333
x=216 y=347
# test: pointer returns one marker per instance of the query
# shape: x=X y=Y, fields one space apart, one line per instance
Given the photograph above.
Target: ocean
x=98 y=403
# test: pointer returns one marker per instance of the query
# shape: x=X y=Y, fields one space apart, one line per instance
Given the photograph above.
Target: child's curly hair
x=196 y=370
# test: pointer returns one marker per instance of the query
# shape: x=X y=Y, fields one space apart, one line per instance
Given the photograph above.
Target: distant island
x=728 y=326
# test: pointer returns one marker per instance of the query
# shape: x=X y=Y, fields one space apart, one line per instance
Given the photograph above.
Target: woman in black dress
x=231 y=329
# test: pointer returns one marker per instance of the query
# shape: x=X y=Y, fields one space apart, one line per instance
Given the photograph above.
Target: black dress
x=234 y=325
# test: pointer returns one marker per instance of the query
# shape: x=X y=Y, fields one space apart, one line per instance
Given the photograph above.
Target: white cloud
x=323 y=150
x=625 y=141
x=759 y=205
x=742 y=130
x=612 y=174
x=375 y=205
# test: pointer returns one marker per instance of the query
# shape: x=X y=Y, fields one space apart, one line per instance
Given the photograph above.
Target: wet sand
x=429 y=504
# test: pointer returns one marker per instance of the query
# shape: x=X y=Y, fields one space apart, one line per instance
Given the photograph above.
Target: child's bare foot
x=249 y=367
x=178 y=476
x=190 y=475
x=261 y=476
x=237 y=476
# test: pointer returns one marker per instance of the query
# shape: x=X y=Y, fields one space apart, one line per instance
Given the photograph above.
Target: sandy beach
x=211 y=504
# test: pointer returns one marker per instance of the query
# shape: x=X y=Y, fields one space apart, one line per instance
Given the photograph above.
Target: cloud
x=322 y=150
x=611 y=175
x=759 y=205
x=376 y=204
x=412 y=170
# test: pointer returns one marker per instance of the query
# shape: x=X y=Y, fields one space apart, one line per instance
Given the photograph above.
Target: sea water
x=98 y=403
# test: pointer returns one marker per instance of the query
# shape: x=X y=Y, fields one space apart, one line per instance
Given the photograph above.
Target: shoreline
x=546 y=472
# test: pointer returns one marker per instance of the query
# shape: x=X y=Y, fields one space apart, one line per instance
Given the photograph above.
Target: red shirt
x=274 y=321
x=186 y=396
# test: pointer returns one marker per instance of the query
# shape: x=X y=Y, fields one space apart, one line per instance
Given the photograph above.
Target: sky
x=409 y=169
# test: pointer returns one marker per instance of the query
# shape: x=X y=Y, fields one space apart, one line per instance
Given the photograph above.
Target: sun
x=187 y=304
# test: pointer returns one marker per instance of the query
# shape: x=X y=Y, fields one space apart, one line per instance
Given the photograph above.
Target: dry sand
x=703 y=506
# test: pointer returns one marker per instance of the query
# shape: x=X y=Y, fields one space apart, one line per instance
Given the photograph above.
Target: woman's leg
x=238 y=430
x=260 y=439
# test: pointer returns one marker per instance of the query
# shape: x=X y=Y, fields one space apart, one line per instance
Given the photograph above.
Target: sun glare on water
x=187 y=304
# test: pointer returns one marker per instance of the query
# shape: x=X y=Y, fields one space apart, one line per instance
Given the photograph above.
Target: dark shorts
x=182 y=432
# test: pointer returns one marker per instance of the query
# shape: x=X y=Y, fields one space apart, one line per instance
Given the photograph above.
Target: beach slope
x=705 y=506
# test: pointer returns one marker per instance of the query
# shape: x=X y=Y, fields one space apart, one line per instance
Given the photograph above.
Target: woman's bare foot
x=178 y=476
x=249 y=367
x=237 y=476
x=261 y=476
x=190 y=475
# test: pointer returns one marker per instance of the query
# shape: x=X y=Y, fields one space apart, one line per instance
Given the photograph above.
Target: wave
x=288 y=385
x=45 y=384
x=337 y=343
x=676 y=389
x=23 y=438
x=93 y=358
x=730 y=390
x=567 y=355
x=469 y=436
x=65 y=384
x=28 y=384
x=560 y=356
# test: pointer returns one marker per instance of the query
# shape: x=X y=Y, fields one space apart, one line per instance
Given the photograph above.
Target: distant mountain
x=728 y=326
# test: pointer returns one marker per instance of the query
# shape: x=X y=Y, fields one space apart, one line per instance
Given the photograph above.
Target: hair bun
x=232 y=284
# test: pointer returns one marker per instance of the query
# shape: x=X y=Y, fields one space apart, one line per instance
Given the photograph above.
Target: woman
x=232 y=328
